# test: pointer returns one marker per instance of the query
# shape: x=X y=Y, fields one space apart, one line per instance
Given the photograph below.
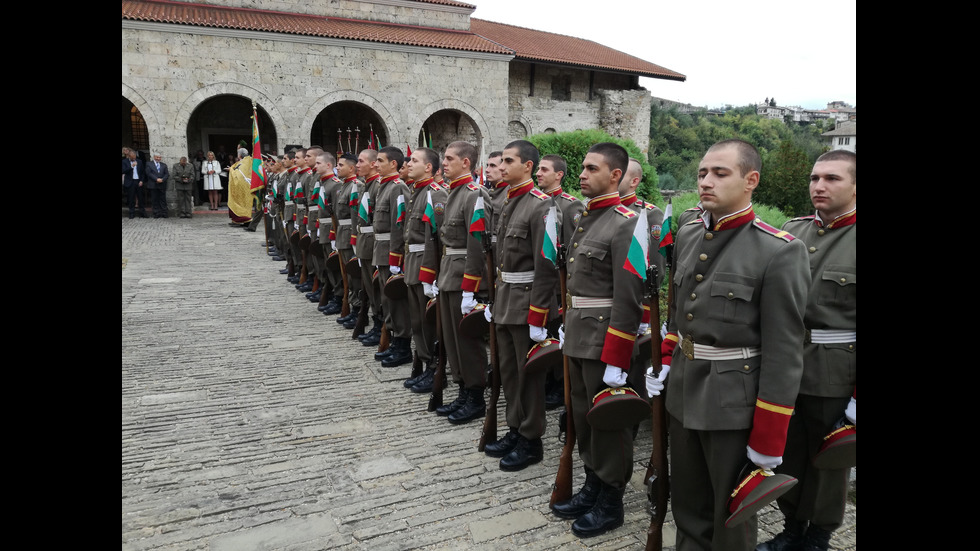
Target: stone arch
x=387 y=131
x=186 y=110
x=480 y=125
x=153 y=129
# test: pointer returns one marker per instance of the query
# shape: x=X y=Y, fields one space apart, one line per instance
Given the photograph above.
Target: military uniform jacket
x=367 y=193
x=287 y=185
x=738 y=283
x=389 y=218
x=497 y=197
x=302 y=192
x=183 y=177
x=422 y=266
x=596 y=268
x=571 y=210
x=326 y=202
x=346 y=205
x=830 y=370
x=520 y=235
x=464 y=272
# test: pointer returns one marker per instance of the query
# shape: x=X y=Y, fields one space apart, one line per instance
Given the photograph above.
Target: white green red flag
x=479 y=221
x=636 y=257
x=364 y=210
x=549 y=249
x=258 y=174
x=429 y=215
x=666 y=231
x=400 y=211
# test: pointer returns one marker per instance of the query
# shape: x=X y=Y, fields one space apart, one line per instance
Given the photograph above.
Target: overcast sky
x=801 y=52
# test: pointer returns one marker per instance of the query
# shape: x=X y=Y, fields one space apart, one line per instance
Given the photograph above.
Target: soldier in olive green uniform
x=525 y=301
x=604 y=311
x=733 y=350
x=462 y=275
x=183 y=175
x=304 y=201
x=814 y=508
x=344 y=236
x=364 y=244
x=421 y=268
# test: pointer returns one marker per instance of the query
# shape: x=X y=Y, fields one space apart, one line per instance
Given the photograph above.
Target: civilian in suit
x=133 y=177
x=157 y=176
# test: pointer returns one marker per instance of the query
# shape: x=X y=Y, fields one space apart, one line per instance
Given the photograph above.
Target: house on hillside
x=844 y=136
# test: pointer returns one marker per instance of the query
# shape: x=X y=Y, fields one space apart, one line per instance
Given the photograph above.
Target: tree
x=785 y=182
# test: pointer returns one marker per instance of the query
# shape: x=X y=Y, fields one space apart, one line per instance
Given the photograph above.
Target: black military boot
x=790 y=539
x=526 y=452
x=352 y=316
x=504 y=445
x=383 y=355
x=424 y=385
x=402 y=353
x=334 y=306
x=605 y=515
x=582 y=502
x=372 y=337
x=410 y=382
x=816 y=539
x=314 y=296
x=554 y=396
x=447 y=409
x=474 y=408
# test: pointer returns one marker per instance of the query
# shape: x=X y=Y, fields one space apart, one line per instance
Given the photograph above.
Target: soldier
x=184 y=177
x=526 y=300
x=287 y=210
x=739 y=295
x=304 y=201
x=364 y=244
x=604 y=312
x=389 y=249
x=814 y=508
x=344 y=236
x=551 y=172
x=420 y=259
x=293 y=189
x=277 y=172
x=325 y=196
x=462 y=275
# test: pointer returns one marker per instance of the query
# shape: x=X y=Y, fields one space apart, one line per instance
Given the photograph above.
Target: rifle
x=385 y=341
x=562 y=489
x=490 y=422
x=657 y=480
x=439 y=380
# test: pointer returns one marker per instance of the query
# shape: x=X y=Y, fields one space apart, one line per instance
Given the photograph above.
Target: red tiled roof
x=183 y=13
x=532 y=45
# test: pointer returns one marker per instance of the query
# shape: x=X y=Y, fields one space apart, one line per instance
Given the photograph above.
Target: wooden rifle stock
x=439 y=380
x=656 y=478
x=345 y=306
x=490 y=422
x=362 y=314
x=562 y=489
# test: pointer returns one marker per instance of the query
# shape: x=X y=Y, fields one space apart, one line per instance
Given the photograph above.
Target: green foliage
x=573 y=146
x=785 y=180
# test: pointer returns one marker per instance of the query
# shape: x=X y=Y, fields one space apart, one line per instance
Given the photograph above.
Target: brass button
x=703 y=256
x=843 y=280
x=699 y=277
x=585 y=213
x=745 y=367
x=850 y=347
x=570 y=260
x=690 y=317
x=526 y=288
x=580 y=229
x=812 y=249
x=575 y=245
x=709 y=236
x=694 y=296
x=588 y=253
x=731 y=295
x=821 y=231
x=600 y=318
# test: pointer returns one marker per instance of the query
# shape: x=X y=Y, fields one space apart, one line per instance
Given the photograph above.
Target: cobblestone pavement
x=250 y=421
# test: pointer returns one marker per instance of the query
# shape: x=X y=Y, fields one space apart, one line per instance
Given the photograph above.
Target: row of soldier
x=434 y=259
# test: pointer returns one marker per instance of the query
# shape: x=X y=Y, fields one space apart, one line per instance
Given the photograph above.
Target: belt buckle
x=568 y=300
x=687 y=347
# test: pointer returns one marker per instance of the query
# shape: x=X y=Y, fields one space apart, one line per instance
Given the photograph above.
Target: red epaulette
x=771 y=230
x=625 y=211
x=472 y=186
x=540 y=194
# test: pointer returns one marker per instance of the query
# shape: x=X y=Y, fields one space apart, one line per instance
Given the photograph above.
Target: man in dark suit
x=157 y=176
x=133 y=177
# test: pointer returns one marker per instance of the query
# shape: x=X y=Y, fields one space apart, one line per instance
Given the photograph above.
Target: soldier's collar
x=628 y=199
x=305 y=170
x=349 y=179
x=730 y=221
x=846 y=219
x=500 y=184
x=389 y=178
x=419 y=184
x=372 y=179
x=462 y=180
x=555 y=192
x=520 y=189
x=603 y=201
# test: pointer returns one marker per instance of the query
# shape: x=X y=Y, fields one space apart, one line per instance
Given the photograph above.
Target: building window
x=561 y=88
x=843 y=141
x=141 y=138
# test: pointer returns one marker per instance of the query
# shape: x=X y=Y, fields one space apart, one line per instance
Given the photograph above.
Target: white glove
x=429 y=289
x=767 y=462
x=486 y=314
x=643 y=328
x=468 y=303
x=614 y=376
x=561 y=336
x=663 y=331
x=394 y=270
x=851 y=412
x=333 y=244
x=538 y=334
x=655 y=383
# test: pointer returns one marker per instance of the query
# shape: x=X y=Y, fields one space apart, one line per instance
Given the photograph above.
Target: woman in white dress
x=211 y=169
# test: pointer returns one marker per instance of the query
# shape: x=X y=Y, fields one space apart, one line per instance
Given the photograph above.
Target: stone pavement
x=250 y=421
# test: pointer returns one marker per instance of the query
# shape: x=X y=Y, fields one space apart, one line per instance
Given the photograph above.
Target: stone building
x=333 y=72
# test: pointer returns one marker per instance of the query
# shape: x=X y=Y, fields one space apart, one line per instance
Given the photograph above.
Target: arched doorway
x=446 y=126
x=220 y=124
x=346 y=126
x=134 y=135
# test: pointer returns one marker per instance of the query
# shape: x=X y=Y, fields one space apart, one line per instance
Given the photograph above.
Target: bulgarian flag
x=666 y=231
x=364 y=211
x=636 y=257
x=321 y=199
x=430 y=213
x=400 y=211
x=352 y=200
x=478 y=223
x=316 y=191
x=549 y=249
x=258 y=175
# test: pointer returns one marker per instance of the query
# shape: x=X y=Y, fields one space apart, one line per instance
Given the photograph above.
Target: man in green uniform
x=814 y=508
x=344 y=236
x=732 y=350
x=605 y=293
x=184 y=178
x=367 y=170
